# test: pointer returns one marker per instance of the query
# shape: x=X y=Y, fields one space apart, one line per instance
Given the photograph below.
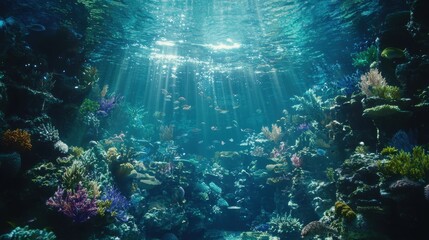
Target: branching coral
x=88 y=106
x=74 y=204
x=414 y=166
x=115 y=204
x=366 y=57
x=275 y=134
x=284 y=225
x=47 y=133
x=73 y=175
x=17 y=140
x=310 y=105
x=373 y=83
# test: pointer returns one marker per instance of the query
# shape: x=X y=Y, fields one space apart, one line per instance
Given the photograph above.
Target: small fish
x=321 y=152
x=186 y=107
x=234 y=208
x=247 y=130
x=393 y=53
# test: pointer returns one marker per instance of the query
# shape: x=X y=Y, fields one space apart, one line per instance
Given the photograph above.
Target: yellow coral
x=125 y=168
x=77 y=152
x=112 y=154
x=17 y=140
x=344 y=210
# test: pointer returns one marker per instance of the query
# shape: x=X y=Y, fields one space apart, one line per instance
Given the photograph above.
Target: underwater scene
x=214 y=119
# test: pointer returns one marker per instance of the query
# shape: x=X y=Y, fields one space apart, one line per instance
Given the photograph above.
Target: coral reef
x=17 y=140
x=74 y=204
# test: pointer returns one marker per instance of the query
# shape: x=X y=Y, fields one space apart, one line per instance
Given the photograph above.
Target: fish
x=321 y=152
x=234 y=208
x=186 y=107
x=393 y=53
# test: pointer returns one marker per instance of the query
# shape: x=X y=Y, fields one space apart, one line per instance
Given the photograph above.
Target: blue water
x=213 y=119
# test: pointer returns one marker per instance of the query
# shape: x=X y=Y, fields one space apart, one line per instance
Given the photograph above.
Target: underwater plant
x=74 y=204
x=88 y=106
x=389 y=151
x=17 y=140
x=47 y=133
x=371 y=81
x=73 y=175
x=414 y=166
x=310 y=105
x=275 y=134
x=373 y=84
x=107 y=104
x=365 y=58
x=284 y=225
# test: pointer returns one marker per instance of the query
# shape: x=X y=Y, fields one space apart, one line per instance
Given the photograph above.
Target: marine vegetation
x=373 y=84
x=275 y=134
x=74 y=204
x=365 y=58
x=413 y=165
x=284 y=225
x=17 y=140
x=389 y=151
x=88 y=106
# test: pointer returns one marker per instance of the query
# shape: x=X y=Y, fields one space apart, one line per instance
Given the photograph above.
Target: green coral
x=77 y=152
x=384 y=110
x=102 y=207
x=387 y=92
x=73 y=175
x=344 y=210
x=365 y=58
x=389 y=151
x=414 y=166
x=88 y=106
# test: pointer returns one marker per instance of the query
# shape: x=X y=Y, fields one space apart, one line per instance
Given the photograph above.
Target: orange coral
x=18 y=139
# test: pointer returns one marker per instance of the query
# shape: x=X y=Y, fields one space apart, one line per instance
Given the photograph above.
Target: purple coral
x=108 y=104
x=74 y=204
x=118 y=203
